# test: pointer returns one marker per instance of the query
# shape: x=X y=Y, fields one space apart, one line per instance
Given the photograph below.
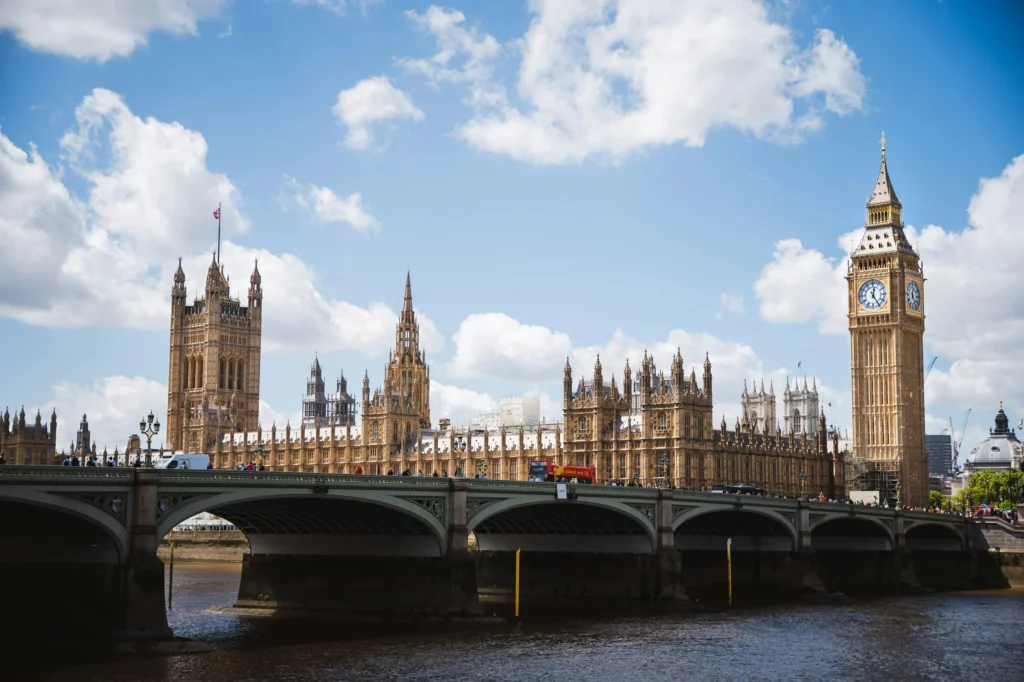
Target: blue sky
x=606 y=179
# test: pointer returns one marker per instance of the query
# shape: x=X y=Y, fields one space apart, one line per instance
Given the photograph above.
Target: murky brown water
x=965 y=636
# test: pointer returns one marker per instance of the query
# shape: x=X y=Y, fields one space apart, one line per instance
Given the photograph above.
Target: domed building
x=1000 y=451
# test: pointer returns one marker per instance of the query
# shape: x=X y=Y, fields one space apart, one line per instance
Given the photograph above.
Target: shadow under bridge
x=561 y=526
x=750 y=531
x=329 y=525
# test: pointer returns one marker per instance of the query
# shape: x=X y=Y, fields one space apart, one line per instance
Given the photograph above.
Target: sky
x=562 y=178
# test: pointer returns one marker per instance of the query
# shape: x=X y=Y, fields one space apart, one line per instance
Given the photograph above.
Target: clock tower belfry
x=886 y=319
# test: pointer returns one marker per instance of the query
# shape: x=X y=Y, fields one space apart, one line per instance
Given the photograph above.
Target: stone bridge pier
x=589 y=549
x=72 y=569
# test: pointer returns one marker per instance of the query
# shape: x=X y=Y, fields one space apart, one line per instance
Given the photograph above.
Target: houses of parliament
x=653 y=428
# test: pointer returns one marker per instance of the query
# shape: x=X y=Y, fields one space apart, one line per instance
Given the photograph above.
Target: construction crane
x=928 y=370
x=957 y=442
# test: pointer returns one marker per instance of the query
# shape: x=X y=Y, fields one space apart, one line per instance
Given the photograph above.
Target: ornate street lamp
x=259 y=453
x=803 y=485
x=149 y=428
x=664 y=469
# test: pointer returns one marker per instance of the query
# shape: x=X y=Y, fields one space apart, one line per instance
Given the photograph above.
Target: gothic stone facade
x=213 y=385
x=32 y=444
x=886 y=320
x=667 y=436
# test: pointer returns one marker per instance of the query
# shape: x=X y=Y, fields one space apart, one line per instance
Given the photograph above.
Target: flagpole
x=218 y=231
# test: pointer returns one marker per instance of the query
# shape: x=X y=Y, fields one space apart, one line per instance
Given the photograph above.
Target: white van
x=179 y=460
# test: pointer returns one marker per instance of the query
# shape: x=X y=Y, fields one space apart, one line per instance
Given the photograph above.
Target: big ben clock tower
x=886 y=312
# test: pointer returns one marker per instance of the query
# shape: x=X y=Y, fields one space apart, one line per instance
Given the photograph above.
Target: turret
x=707 y=376
x=627 y=380
x=678 y=375
x=216 y=285
x=598 y=378
x=53 y=426
x=567 y=384
x=178 y=291
x=256 y=294
x=645 y=377
x=366 y=391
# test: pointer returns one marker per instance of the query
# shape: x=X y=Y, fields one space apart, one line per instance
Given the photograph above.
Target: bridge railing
x=18 y=474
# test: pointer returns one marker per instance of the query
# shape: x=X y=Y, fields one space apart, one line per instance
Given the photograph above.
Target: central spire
x=407 y=305
x=883 y=205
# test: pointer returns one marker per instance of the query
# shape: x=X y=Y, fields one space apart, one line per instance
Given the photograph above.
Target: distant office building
x=940 y=454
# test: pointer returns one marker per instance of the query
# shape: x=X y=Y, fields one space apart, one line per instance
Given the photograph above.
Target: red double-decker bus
x=556 y=473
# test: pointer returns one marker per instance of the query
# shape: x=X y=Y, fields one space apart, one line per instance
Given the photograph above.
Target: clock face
x=872 y=294
x=913 y=296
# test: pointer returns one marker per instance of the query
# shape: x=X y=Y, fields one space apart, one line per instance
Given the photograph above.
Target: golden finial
x=883 y=141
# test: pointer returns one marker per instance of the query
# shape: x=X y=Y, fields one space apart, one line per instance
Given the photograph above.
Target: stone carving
x=166 y=503
x=679 y=510
x=114 y=503
x=645 y=509
x=434 y=505
x=475 y=505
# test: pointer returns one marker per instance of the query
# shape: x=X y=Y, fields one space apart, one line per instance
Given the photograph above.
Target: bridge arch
x=577 y=526
x=933 y=536
x=751 y=529
x=334 y=522
x=104 y=521
x=848 y=532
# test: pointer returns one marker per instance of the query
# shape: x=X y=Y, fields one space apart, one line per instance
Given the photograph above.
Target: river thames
x=958 y=636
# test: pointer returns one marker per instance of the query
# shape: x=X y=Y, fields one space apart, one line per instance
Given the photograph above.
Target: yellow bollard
x=170 y=582
x=518 y=550
x=728 y=564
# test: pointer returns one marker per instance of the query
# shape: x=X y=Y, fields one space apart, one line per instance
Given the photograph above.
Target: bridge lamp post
x=259 y=453
x=149 y=428
x=803 y=485
x=664 y=469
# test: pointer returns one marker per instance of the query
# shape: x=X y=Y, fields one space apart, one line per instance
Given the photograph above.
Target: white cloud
x=226 y=33
x=337 y=6
x=270 y=417
x=114 y=405
x=463 y=54
x=369 y=102
x=729 y=303
x=40 y=223
x=87 y=29
x=458 y=404
x=106 y=264
x=803 y=285
x=608 y=78
x=975 y=314
x=495 y=346
x=326 y=206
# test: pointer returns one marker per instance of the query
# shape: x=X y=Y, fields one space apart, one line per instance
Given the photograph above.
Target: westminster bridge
x=80 y=544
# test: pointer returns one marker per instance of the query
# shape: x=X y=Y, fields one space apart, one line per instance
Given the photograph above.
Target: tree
x=936 y=499
x=1003 y=489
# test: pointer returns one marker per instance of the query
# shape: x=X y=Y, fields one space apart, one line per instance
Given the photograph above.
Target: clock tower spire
x=886 y=320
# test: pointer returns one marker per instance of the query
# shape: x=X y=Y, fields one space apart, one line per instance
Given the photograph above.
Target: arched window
x=796 y=421
x=223 y=373
x=231 y=374
x=394 y=431
x=662 y=420
x=376 y=430
x=238 y=375
x=200 y=368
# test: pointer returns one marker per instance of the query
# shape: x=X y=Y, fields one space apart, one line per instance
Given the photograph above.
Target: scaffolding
x=869 y=475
